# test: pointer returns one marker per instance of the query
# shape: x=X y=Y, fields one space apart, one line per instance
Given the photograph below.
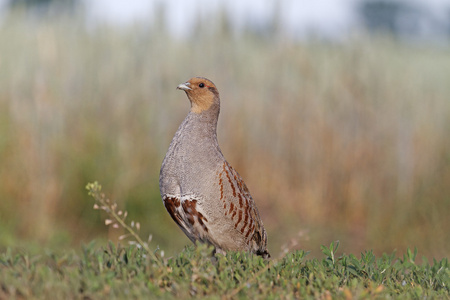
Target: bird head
x=201 y=92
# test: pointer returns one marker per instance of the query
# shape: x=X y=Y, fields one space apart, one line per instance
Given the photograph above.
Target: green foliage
x=129 y=272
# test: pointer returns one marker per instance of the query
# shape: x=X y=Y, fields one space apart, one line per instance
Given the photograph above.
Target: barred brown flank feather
x=171 y=204
x=245 y=218
x=240 y=201
x=197 y=183
x=229 y=179
x=250 y=227
x=239 y=219
x=190 y=211
x=221 y=187
x=189 y=208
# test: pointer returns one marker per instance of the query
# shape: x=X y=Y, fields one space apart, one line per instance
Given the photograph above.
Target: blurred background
x=335 y=113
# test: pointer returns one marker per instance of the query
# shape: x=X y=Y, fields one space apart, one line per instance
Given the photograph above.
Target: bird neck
x=206 y=119
x=199 y=127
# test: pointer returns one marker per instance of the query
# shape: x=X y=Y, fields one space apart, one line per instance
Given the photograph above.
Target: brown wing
x=242 y=209
x=184 y=212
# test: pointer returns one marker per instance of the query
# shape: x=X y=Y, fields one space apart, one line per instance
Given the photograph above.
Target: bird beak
x=184 y=86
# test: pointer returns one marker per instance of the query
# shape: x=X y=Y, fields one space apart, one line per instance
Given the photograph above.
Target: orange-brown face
x=201 y=92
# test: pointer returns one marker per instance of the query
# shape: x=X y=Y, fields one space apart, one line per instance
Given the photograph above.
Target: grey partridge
x=203 y=194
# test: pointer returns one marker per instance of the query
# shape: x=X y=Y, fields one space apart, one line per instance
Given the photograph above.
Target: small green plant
x=330 y=252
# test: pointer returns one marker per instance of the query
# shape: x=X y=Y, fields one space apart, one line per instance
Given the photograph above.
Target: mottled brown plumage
x=202 y=193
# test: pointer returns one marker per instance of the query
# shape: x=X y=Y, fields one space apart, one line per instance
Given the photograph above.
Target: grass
x=130 y=272
x=197 y=273
x=336 y=141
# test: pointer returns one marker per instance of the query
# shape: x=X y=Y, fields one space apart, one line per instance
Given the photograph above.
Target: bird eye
x=201 y=85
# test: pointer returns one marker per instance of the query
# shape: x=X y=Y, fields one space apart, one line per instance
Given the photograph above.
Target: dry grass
x=337 y=141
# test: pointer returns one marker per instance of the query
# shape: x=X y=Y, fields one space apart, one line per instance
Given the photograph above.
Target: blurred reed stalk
x=346 y=140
